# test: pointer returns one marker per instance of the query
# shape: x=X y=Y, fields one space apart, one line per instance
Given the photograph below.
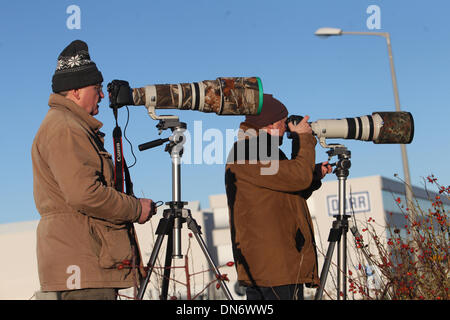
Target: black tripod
x=339 y=228
x=173 y=218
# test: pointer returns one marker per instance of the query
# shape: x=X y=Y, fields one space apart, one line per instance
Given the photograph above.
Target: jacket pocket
x=299 y=240
x=115 y=245
x=106 y=174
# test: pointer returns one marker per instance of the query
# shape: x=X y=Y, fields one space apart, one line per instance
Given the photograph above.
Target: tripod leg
x=334 y=236
x=344 y=258
x=339 y=270
x=192 y=225
x=214 y=267
x=344 y=266
x=325 y=269
x=163 y=228
x=167 y=268
x=150 y=265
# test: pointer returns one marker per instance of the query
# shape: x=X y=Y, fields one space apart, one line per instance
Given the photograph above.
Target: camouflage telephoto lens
x=397 y=127
x=223 y=96
x=380 y=127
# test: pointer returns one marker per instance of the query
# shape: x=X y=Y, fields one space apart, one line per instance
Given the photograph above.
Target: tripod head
x=343 y=165
x=170 y=123
x=176 y=139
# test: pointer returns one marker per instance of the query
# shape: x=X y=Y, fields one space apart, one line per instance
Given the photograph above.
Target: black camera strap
x=121 y=174
x=121 y=177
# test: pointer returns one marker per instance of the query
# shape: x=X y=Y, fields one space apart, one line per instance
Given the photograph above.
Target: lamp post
x=325 y=32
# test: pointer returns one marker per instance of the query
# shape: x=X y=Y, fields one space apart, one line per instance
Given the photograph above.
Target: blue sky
x=149 y=42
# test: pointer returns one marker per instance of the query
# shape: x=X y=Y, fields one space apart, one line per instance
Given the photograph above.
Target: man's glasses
x=99 y=89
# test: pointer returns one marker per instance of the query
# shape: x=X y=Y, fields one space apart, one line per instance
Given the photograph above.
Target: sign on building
x=356 y=202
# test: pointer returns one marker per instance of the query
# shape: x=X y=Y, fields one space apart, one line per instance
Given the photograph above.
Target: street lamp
x=326 y=32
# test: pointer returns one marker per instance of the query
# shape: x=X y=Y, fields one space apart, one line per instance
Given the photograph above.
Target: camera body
x=120 y=94
x=295 y=119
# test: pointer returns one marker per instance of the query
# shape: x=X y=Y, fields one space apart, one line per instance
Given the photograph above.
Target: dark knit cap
x=75 y=68
x=272 y=111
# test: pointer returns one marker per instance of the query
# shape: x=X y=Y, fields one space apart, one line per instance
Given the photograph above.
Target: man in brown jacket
x=85 y=239
x=271 y=229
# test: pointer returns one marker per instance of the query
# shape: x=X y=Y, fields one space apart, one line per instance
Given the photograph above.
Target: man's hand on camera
x=325 y=168
x=148 y=210
x=302 y=127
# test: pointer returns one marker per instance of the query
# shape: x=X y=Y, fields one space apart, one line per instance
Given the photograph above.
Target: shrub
x=410 y=262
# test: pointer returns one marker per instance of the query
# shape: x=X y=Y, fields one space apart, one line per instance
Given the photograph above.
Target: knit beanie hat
x=75 y=69
x=272 y=111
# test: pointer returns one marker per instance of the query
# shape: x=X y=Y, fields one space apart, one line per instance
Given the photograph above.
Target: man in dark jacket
x=271 y=228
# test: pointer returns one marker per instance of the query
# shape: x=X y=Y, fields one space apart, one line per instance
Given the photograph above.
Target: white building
x=19 y=277
x=370 y=197
x=18 y=271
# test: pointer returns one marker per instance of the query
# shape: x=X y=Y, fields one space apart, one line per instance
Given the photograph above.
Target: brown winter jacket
x=271 y=228
x=84 y=231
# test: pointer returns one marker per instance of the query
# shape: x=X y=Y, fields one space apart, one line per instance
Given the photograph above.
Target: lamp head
x=326 y=32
